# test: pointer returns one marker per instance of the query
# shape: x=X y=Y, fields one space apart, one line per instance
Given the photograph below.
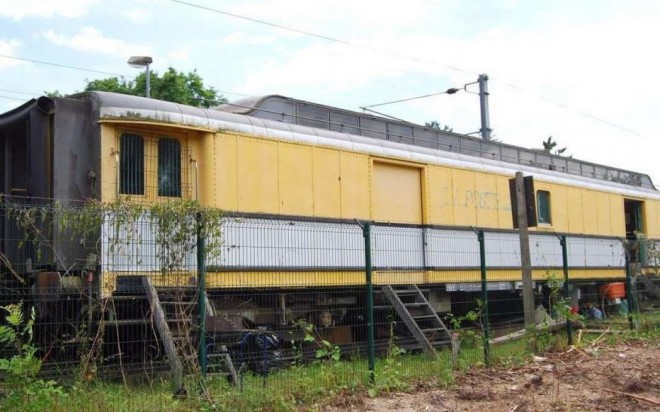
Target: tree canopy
x=173 y=86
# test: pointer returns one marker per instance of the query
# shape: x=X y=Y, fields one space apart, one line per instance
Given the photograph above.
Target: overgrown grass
x=288 y=389
x=325 y=381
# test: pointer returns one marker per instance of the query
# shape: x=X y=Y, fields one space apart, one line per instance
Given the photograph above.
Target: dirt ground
x=585 y=379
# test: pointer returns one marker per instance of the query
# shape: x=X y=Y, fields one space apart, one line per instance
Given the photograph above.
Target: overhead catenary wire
x=321 y=36
x=448 y=91
x=571 y=109
x=19 y=92
x=395 y=54
x=11 y=98
x=66 y=66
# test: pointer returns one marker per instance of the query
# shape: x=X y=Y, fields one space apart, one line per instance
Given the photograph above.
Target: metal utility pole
x=525 y=257
x=483 y=102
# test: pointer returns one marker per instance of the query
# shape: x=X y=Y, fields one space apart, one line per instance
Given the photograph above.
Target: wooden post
x=525 y=257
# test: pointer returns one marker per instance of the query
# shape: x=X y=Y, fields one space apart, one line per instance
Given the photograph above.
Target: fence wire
x=285 y=304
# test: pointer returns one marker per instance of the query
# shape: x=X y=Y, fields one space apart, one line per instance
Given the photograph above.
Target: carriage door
x=397 y=193
x=635 y=229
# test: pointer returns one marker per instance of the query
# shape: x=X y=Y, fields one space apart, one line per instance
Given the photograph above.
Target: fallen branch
x=552 y=325
x=594 y=343
x=603 y=331
x=630 y=395
x=4 y=260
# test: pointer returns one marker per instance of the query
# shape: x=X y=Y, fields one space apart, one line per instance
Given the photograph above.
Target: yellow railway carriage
x=300 y=174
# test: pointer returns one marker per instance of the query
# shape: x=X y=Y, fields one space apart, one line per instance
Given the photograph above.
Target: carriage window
x=169 y=167
x=131 y=164
x=543 y=206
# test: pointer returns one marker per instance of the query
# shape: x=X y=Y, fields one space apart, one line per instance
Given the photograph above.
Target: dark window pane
x=169 y=167
x=131 y=164
x=543 y=206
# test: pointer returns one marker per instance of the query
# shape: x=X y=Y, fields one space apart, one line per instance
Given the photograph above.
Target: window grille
x=131 y=164
x=169 y=167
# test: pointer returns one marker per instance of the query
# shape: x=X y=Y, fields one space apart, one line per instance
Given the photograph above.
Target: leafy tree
x=550 y=146
x=115 y=85
x=54 y=93
x=173 y=86
x=435 y=125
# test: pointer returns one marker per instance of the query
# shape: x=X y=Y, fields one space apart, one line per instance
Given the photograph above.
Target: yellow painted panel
x=509 y=275
x=195 y=140
x=574 y=210
x=295 y=180
x=327 y=188
x=219 y=186
x=650 y=216
x=656 y=218
x=558 y=216
x=504 y=217
x=282 y=279
x=441 y=199
x=485 y=200
x=397 y=193
x=413 y=277
x=465 y=212
x=617 y=216
x=603 y=212
x=589 y=212
x=354 y=173
x=257 y=170
x=426 y=194
x=247 y=279
x=559 y=208
x=108 y=163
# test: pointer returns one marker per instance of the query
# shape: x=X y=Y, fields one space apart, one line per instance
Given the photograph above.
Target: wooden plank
x=165 y=334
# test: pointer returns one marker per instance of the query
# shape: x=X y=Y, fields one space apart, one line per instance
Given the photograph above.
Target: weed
x=23 y=390
x=390 y=375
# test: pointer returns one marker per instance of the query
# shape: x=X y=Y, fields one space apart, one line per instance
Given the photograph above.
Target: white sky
x=554 y=65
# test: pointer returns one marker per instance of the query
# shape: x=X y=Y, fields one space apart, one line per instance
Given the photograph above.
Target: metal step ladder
x=419 y=317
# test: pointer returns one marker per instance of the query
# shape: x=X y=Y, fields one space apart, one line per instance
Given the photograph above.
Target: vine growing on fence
x=124 y=227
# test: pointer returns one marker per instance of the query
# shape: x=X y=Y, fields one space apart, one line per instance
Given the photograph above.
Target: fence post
x=564 y=257
x=484 y=296
x=366 y=232
x=201 y=303
x=629 y=292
